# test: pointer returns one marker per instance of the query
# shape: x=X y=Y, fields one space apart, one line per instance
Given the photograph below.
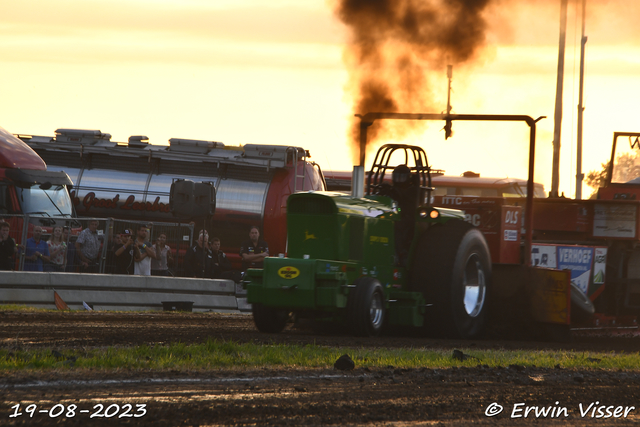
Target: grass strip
x=25 y=308
x=215 y=354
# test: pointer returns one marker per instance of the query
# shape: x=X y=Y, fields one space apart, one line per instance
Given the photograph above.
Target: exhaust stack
x=357 y=181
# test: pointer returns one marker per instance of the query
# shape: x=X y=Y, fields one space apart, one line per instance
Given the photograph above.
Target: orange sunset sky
x=275 y=72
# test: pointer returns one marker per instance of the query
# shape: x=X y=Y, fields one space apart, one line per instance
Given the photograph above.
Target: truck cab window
x=53 y=202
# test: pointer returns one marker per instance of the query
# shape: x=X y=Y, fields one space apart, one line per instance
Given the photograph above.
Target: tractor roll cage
x=421 y=169
x=367 y=120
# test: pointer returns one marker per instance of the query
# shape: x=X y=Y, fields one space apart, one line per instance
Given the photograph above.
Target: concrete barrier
x=118 y=292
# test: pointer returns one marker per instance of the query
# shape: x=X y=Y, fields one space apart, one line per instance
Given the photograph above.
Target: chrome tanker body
x=132 y=180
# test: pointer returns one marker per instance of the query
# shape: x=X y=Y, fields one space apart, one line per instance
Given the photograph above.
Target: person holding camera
x=123 y=253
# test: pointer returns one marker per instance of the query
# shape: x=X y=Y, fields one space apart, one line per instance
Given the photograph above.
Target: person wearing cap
x=143 y=252
x=123 y=253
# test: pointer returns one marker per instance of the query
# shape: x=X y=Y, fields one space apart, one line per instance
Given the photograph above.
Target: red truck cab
x=26 y=187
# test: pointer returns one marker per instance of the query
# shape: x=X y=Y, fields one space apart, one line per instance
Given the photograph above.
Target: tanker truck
x=132 y=180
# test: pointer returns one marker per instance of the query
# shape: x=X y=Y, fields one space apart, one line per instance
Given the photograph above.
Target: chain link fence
x=23 y=229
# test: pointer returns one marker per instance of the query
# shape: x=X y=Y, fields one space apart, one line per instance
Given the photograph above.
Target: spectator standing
x=116 y=242
x=164 y=257
x=196 y=254
x=88 y=248
x=123 y=253
x=36 y=252
x=72 y=265
x=221 y=265
x=253 y=251
x=143 y=252
x=57 y=251
x=7 y=248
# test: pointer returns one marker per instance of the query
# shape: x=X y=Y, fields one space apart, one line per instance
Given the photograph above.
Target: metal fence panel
x=21 y=227
x=179 y=239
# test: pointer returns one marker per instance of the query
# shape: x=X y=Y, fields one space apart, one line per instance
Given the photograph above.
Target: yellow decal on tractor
x=288 y=272
x=380 y=239
x=308 y=236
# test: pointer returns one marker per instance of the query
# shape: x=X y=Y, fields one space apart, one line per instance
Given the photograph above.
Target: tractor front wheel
x=269 y=320
x=452 y=268
x=366 y=307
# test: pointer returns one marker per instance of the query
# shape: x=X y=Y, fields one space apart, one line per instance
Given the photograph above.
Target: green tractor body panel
x=333 y=240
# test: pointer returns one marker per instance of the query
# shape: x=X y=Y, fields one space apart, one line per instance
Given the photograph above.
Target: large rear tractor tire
x=269 y=320
x=452 y=268
x=366 y=308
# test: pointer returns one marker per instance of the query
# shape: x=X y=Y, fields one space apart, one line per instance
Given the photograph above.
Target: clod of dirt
x=71 y=361
x=458 y=355
x=344 y=363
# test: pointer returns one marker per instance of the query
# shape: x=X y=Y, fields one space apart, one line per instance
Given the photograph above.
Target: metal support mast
x=579 y=174
x=555 y=176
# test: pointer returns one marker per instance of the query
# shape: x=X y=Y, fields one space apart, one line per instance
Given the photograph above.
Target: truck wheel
x=365 y=307
x=269 y=320
x=452 y=268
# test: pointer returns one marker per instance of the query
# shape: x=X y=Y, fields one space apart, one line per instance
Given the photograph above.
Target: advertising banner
x=614 y=221
x=543 y=256
x=578 y=259
x=587 y=263
x=599 y=266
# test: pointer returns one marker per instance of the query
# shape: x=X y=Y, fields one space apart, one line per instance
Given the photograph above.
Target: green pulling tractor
x=388 y=259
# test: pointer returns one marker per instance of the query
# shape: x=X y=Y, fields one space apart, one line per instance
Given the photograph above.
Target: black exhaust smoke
x=393 y=47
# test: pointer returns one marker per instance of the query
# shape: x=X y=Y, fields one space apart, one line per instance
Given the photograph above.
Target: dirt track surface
x=383 y=395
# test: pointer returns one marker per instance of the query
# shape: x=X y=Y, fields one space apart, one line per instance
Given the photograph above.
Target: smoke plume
x=396 y=45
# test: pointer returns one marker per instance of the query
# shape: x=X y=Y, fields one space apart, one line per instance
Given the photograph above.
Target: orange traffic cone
x=60 y=304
